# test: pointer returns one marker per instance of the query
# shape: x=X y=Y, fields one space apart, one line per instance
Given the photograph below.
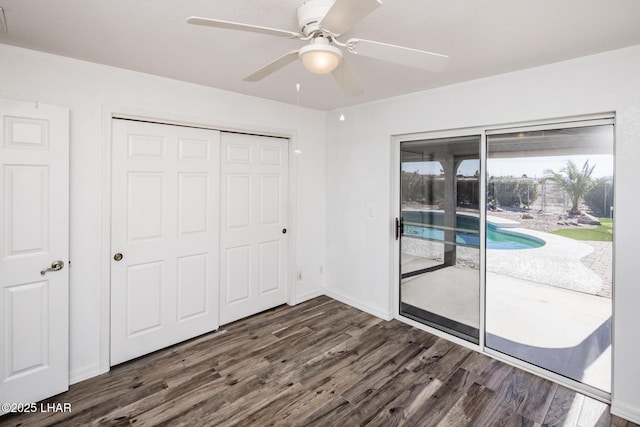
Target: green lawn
x=602 y=233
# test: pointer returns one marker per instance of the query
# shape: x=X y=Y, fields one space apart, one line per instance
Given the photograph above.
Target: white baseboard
x=385 y=315
x=308 y=296
x=622 y=411
x=84 y=374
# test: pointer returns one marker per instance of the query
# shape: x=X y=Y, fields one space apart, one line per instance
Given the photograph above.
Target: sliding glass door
x=549 y=249
x=440 y=235
x=542 y=212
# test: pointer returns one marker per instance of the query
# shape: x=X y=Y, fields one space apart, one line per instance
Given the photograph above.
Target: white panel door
x=253 y=257
x=34 y=216
x=165 y=228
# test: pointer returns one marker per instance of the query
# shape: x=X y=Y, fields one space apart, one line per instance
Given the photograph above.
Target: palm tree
x=574 y=181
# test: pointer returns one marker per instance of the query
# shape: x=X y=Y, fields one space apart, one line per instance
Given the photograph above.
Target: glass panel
x=439 y=243
x=549 y=250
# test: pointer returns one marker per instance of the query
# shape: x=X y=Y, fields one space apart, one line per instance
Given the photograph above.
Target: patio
x=544 y=305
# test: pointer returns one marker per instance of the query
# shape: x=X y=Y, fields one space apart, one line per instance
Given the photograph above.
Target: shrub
x=600 y=197
x=510 y=191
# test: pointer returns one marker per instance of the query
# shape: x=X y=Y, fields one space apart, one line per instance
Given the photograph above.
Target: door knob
x=118 y=256
x=55 y=266
x=284 y=231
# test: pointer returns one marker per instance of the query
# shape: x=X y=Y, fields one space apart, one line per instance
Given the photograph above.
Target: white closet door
x=253 y=265
x=34 y=216
x=165 y=236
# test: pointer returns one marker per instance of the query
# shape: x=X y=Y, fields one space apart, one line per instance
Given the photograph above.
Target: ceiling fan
x=321 y=23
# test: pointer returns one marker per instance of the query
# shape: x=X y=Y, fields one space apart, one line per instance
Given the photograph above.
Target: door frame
x=394 y=247
x=111 y=112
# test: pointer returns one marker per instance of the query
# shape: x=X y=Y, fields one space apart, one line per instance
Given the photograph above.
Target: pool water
x=467 y=231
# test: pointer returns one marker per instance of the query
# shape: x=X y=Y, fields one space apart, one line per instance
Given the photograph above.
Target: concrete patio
x=541 y=303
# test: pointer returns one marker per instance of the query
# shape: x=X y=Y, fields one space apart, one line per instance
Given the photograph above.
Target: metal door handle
x=399 y=227
x=55 y=266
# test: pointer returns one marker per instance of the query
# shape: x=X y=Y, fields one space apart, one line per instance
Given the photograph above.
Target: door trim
x=110 y=112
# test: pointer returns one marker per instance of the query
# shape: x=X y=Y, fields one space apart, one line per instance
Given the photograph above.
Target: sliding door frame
x=396 y=141
x=546 y=124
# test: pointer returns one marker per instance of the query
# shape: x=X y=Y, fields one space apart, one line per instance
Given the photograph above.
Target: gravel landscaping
x=535 y=221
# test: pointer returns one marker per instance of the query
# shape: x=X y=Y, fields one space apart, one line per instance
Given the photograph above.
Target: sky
x=533 y=167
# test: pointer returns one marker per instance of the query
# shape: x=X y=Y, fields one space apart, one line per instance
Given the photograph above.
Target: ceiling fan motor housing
x=310 y=13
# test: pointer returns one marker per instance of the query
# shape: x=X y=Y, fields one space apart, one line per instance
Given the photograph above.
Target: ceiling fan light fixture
x=320 y=57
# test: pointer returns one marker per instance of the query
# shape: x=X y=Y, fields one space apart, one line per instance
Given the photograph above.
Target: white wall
x=358 y=177
x=86 y=88
x=356 y=160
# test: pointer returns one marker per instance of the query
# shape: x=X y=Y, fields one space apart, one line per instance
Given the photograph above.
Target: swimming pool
x=425 y=224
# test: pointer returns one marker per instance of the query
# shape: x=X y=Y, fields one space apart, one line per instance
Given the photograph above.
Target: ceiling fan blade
x=344 y=14
x=272 y=67
x=398 y=54
x=207 y=22
x=347 y=80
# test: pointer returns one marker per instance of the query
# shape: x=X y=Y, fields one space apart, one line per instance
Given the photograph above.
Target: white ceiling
x=482 y=38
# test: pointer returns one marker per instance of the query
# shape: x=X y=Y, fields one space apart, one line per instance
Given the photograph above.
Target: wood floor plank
x=440 y=360
x=319 y=363
x=477 y=363
x=619 y=422
x=406 y=403
x=378 y=378
x=495 y=374
x=379 y=399
x=268 y=409
x=513 y=401
x=594 y=413
x=370 y=384
x=467 y=408
x=362 y=322
x=565 y=408
x=434 y=408
x=344 y=354
x=329 y=414
x=538 y=396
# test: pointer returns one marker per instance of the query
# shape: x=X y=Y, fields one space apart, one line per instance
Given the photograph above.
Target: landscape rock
x=526 y=216
x=547 y=222
x=588 y=219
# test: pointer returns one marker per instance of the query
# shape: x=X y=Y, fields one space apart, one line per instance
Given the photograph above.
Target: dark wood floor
x=320 y=363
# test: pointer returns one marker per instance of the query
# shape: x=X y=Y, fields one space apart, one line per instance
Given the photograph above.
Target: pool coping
x=556 y=263
x=499 y=222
